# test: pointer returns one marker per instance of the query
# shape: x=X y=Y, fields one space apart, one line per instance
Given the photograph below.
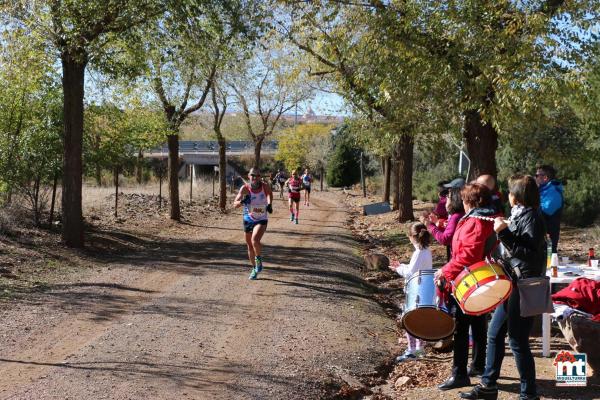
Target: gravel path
x=176 y=317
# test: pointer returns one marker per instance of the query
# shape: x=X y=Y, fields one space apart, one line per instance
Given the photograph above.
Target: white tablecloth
x=566 y=274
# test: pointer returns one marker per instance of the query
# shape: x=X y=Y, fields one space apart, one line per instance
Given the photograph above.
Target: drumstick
x=506 y=221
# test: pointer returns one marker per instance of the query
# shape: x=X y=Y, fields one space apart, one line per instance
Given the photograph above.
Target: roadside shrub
x=343 y=168
x=425 y=180
x=14 y=216
x=582 y=207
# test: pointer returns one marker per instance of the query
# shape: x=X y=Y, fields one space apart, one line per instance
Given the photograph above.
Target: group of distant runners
x=256 y=197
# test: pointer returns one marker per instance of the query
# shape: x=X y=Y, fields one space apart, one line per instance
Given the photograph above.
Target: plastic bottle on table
x=590 y=256
x=554 y=265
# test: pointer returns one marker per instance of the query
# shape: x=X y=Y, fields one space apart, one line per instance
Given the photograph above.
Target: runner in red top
x=294 y=185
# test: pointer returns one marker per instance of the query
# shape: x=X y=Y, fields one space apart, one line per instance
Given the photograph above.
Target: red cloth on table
x=582 y=294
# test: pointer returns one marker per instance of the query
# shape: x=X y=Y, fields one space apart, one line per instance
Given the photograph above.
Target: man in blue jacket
x=552 y=201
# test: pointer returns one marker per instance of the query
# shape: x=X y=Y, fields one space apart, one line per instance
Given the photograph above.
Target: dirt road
x=172 y=315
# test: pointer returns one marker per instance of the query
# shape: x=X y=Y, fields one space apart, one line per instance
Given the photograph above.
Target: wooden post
x=213 y=182
x=54 y=184
x=322 y=177
x=116 y=180
x=191 y=180
x=362 y=175
x=160 y=191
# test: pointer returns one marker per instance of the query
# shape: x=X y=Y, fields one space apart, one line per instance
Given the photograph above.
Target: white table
x=581 y=271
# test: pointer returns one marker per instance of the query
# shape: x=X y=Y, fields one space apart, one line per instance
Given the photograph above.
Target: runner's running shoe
x=292 y=217
x=296 y=221
x=258 y=264
x=253 y=274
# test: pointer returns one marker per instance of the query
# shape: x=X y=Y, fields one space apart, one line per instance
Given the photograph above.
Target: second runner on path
x=294 y=185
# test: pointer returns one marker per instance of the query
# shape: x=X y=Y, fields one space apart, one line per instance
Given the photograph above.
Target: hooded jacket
x=551 y=197
x=471 y=242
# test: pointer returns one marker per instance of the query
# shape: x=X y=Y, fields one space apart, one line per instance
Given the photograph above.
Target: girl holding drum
x=421 y=260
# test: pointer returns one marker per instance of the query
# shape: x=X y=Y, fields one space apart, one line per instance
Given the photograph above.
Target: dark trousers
x=478 y=325
x=507 y=319
x=553 y=228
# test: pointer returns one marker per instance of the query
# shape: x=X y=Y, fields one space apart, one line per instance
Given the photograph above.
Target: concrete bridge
x=206 y=152
x=203 y=152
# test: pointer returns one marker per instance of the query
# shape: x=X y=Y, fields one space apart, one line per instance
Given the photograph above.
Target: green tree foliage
x=79 y=31
x=344 y=164
x=185 y=49
x=304 y=146
x=267 y=86
x=30 y=118
x=114 y=137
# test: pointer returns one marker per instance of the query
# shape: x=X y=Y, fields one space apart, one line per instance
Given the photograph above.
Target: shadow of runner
x=321 y=289
x=190 y=375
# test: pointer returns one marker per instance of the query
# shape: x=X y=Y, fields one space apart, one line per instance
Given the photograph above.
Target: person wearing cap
x=440 y=208
x=256 y=197
x=455 y=183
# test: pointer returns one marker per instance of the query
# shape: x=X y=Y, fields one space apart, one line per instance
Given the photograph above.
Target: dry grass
x=99 y=197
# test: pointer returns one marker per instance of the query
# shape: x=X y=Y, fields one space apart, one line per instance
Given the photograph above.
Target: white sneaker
x=409 y=355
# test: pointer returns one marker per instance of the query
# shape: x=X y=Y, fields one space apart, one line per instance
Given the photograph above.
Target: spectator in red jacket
x=470 y=244
x=524 y=251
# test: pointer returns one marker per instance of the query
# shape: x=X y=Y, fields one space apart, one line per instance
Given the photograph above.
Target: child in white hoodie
x=421 y=259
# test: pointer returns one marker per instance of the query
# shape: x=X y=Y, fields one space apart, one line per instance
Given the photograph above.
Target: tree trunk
x=322 y=177
x=140 y=167
x=53 y=202
x=482 y=143
x=386 y=178
x=222 y=174
x=405 y=172
x=97 y=167
x=160 y=179
x=173 y=142
x=36 y=201
x=191 y=182
x=116 y=180
x=73 y=78
x=396 y=185
x=362 y=174
x=257 y=147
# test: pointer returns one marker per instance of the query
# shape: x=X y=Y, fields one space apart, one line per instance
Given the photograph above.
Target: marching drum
x=481 y=287
x=425 y=314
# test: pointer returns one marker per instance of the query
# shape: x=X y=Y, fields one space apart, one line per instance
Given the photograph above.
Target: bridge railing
x=212 y=146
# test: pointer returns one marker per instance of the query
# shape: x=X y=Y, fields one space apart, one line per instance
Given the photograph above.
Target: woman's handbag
x=534 y=296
